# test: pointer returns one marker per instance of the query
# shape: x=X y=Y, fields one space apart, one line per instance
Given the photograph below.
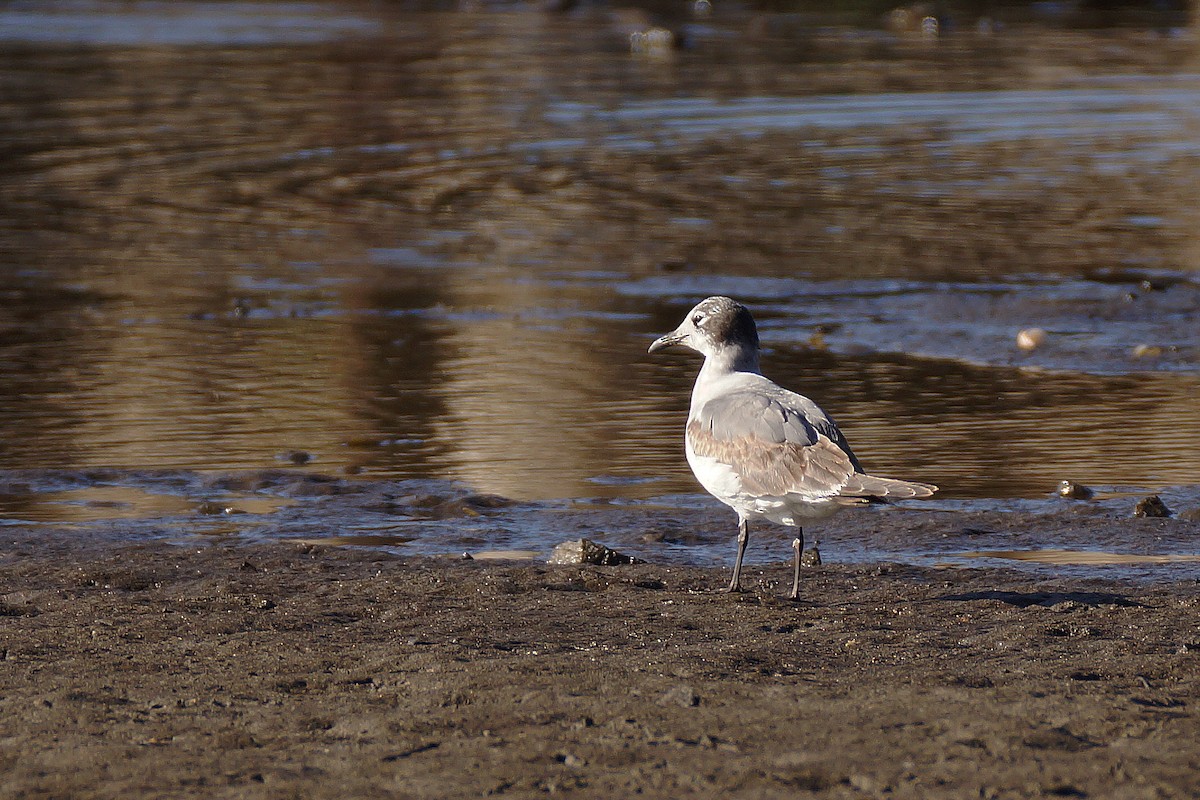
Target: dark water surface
x=434 y=246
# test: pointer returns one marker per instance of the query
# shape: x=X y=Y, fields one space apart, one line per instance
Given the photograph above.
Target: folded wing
x=778 y=448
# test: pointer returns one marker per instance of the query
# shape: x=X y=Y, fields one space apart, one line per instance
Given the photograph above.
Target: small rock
x=682 y=695
x=811 y=557
x=585 y=551
x=297 y=457
x=1030 y=338
x=1147 y=351
x=1151 y=506
x=1074 y=491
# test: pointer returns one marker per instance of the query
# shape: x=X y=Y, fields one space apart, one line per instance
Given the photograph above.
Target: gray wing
x=774 y=414
x=781 y=443
x=772 y=445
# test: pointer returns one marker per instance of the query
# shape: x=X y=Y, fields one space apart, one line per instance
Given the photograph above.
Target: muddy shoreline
x=276 y=669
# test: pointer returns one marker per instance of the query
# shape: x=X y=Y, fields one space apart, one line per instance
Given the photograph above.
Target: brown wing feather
x=775 y=469
x=821 y=469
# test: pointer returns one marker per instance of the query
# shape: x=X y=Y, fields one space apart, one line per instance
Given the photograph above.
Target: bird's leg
x=798 y=548
x=735 y=584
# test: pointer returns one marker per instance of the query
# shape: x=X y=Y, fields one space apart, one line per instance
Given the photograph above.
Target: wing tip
x=892 y=489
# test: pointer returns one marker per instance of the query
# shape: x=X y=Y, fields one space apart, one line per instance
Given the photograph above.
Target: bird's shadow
x=1027 y=599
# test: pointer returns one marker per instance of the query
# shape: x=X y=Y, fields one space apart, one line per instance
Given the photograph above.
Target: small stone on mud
x=1074 y=491
x=811 y=557
x=1151 y=506
x=681 y=695
x=1147 y=351
x=297 y=457
x=1031 y=338
x=585 y=551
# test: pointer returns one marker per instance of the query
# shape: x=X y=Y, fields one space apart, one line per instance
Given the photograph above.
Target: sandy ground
x=281 y=670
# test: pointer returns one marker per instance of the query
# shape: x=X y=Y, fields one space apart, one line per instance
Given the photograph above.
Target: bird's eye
x=696 y=320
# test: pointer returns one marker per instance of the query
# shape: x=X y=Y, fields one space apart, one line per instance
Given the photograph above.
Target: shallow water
x=409 y=245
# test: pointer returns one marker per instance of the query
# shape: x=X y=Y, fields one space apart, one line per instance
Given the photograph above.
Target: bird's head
x=714 y=326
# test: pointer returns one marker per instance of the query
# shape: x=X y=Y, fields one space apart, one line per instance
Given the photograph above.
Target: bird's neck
x=718 y=367
x=729 y=360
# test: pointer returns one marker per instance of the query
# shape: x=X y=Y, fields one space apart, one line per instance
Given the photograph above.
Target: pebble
x=1074 y=491
x=1030 y=338
x=1147 y=351
x=1151 y=506
x=585 y=551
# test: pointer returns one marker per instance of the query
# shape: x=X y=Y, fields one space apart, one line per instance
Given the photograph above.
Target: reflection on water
x=437 y=245
x=89 y=504
x=30 y=503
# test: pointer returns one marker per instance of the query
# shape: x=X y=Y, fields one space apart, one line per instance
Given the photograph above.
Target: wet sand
x=278 y=669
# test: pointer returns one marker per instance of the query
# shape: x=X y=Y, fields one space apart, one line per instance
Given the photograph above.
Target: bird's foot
x=732 y=589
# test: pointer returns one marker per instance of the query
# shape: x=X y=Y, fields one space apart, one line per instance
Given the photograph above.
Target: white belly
x=720 y=480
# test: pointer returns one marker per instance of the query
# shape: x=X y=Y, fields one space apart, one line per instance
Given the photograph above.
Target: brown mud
x=280 y=670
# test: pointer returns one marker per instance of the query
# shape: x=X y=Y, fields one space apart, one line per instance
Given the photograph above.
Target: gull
x=760 y=449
